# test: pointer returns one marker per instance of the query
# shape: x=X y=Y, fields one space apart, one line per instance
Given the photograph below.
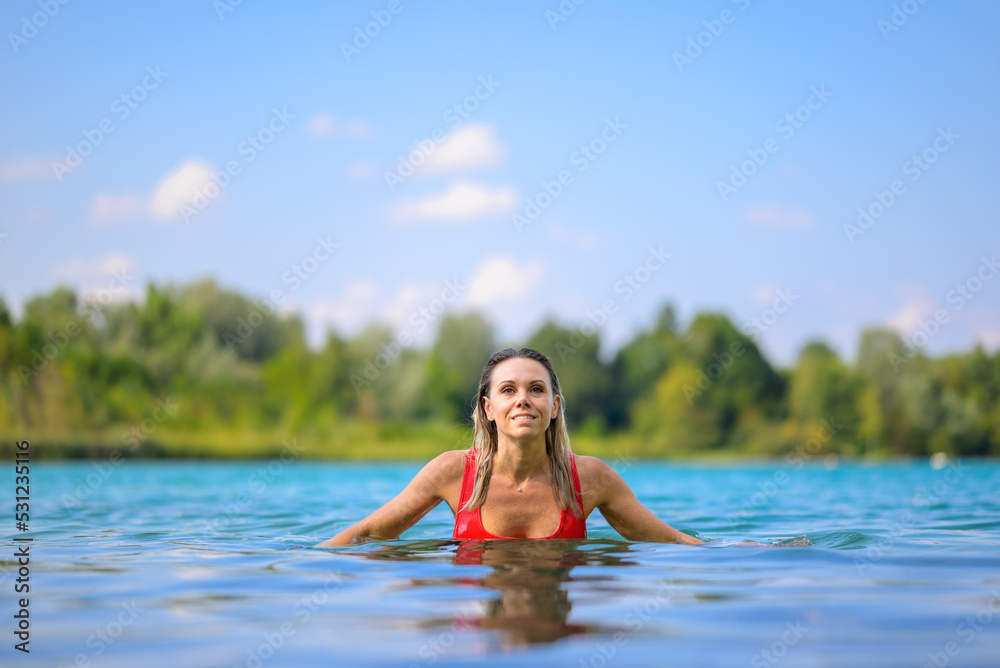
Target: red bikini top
x=469 y=524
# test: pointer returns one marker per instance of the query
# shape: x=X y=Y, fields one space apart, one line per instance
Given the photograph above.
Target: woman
x=519 y=479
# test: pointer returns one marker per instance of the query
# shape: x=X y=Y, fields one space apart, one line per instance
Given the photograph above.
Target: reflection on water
x=885 y=581
x=525 y=598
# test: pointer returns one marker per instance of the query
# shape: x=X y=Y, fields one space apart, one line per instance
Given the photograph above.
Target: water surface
x=211 y=564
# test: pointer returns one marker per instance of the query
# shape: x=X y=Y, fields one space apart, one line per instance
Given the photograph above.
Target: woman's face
x=521 y=400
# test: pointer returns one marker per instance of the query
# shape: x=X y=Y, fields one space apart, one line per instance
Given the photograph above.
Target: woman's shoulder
x=449 y=464
x=594 y=471
x=449 y=457
x=588 y=463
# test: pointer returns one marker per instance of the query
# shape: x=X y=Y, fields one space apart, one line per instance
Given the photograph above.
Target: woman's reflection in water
x=529 y=576
x=533 y=605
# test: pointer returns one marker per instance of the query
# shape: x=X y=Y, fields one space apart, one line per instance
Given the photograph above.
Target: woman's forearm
x=349 y=536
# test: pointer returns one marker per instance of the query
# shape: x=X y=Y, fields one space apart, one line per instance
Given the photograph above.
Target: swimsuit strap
x=469 y=525
x=464 y=518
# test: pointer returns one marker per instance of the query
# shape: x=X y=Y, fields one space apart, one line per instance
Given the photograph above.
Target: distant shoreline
x=618 y=449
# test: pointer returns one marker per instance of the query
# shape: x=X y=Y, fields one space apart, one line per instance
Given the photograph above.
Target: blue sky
x=641 y=137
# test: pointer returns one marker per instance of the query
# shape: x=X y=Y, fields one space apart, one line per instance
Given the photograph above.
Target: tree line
x=199 y=370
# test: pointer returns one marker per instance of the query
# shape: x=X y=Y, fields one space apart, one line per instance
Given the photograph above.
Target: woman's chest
x=527 y=514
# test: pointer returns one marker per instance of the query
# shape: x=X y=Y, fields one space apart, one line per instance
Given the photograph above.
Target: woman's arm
x=428 y=488
x=623 y=511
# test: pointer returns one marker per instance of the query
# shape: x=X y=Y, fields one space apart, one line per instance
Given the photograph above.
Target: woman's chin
x=525 y=433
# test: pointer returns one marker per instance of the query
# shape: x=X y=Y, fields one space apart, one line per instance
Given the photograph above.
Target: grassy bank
x=361 y=440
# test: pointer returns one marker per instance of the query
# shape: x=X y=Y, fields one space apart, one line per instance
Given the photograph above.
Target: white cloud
x=176 y=190
x=764 y=293
x=325 y=125
x=502 y=279
x=462 y=201
x=348 y=312
x=320 y=125
x=363 y=303
x=470 y=146
x=26 y=169
x=770 y=216
x=179 y=188
x=579 y=239
x=408 y=299
x=108 y=208
x=907 y=319
x=989 y=338
x=106 y=267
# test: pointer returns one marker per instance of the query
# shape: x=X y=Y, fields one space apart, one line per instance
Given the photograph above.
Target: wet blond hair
x=485 y=441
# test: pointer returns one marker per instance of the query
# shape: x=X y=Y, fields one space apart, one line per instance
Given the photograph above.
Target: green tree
x=464 y=344
x=882 y=363
x=822 y=387
x=587 y=383
x=254 y=330
x=720 y=384
x=642 y=361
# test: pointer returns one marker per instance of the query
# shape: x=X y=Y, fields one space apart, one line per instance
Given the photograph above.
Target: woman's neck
x=520 y=460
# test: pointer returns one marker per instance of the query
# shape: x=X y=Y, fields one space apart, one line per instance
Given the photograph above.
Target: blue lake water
x=211 y=564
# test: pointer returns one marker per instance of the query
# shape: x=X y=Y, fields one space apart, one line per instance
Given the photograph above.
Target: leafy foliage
x=243 y=377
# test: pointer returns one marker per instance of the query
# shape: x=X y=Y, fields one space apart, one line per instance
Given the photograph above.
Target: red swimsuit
x=469 y=524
